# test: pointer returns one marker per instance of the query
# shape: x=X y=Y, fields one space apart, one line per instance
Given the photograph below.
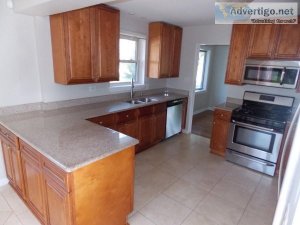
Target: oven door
x=259 y=142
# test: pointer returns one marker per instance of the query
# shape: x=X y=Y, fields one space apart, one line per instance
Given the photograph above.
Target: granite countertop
x=66 y=138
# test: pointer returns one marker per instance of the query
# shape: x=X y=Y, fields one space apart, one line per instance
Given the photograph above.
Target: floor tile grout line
x=244 y=211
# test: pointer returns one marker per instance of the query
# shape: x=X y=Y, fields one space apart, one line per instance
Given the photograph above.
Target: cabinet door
x=218 y=141
x=262 y=40
x=288 y=46
x=79 y=31
x=7 y=160
x=108 y=34
x=33 y=181
x=159 y=130
x=175 y=61
x=166 y=50
x=18 y=176
x=237 y=54
x=129 y=128
x=58 y=203
x=145 y=131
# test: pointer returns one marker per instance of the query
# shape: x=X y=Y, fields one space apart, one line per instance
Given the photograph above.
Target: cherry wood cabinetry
x=262 y=41
x=159 y=121
x=164 y=50
x=106 y=120
x=237 y=53
x=85 y=45
x=288 y=46
x=146 y=128
x=221 y=123
x=33 y=180
x=127 y=123
x=12 y=160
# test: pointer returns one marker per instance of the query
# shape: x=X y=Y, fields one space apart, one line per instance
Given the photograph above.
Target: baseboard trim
x=3 y=181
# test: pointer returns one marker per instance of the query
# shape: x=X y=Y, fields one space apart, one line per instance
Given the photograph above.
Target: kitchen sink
x=141 y=101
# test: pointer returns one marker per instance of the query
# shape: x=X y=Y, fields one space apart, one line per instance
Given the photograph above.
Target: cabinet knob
x=127 y=116
x=100 y=122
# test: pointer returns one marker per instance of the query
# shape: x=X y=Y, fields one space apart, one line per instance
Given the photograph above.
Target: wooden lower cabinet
x=221 y=123
x=146 y=128
x=33 y=180
x=129 y=128
x=100 y=193
x=12 y=161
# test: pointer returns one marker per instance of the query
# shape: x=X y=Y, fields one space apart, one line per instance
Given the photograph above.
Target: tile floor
x=180 y=182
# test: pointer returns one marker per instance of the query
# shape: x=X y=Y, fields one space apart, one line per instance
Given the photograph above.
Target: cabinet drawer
x=145 y=111
x=123 y=117
x=33 y=154
x=222 y=114
x=106 y=121
x=56 y=174
x=8 y=135
x=162 y=107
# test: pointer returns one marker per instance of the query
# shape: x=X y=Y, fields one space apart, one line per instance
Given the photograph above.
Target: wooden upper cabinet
x=85 y=45
x=164 y=50
x=262 y=40
x=108 y=35
x=237 y=53
x=175 y=64
x=288 y=46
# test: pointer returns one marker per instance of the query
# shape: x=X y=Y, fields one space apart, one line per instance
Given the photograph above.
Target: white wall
x=193 y=36
x=19 y=78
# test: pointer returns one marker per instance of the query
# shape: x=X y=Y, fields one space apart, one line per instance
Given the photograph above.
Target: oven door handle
x=253 y=126
x=282 y=75
x=251 y=159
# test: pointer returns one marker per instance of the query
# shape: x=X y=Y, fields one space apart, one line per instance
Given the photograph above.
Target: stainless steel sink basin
x=142 y=101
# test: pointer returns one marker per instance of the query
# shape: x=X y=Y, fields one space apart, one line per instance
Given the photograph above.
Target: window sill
x=126 y=85
x=200 y=91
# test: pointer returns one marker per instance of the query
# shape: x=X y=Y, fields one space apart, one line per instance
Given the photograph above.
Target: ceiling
x=179 y=12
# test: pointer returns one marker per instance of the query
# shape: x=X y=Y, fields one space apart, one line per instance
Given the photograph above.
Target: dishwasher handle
x=174 y=102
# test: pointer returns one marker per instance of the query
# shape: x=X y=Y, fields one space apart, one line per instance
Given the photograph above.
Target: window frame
x=140 y=69
x=205 y=70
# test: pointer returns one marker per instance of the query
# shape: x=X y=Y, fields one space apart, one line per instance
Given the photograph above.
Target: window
x=201 y=71
x=132 y=59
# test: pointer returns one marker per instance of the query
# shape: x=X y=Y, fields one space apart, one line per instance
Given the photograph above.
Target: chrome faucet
x=132 y=87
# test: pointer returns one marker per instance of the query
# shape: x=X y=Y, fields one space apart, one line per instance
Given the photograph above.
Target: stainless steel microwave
x=275 y=73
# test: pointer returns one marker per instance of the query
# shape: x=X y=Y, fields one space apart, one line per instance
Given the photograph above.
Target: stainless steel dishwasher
x=174 y=117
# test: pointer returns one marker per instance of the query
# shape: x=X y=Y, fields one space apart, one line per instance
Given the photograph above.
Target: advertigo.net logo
x=254 y=13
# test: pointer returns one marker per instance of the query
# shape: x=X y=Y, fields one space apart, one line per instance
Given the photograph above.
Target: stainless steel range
x=256 y=131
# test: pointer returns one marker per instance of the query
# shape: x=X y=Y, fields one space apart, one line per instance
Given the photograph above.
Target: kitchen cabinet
x=184 y=112
x=146 y=127
x=106 y=120
x=164 y=50
x=33 y=180
x=237 y=53
x=159 y=121
x=288 y=46
x=12 y=160
x=263 y=39
x=127 y=123
x=221 y=123
x=57 y=197
x=85 y=45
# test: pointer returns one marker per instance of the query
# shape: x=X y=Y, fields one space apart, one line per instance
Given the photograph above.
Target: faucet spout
x=132 y=87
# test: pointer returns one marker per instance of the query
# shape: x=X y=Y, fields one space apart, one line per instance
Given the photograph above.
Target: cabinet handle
x=100 y=122
x=127 y=116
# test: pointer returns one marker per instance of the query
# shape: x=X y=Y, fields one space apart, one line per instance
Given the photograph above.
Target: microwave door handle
x=282 y=75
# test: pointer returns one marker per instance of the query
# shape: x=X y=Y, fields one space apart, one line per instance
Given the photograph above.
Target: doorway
x=210 y=89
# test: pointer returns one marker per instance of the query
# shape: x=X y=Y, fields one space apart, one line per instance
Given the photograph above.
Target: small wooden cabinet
x=237 y=53
x=85 y=45
x=159 y=121
x=221 y=123
x=127 y=122
x=12 y=160
x=164 y=50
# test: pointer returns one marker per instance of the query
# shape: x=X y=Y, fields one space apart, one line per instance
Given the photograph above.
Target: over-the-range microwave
x=275 y=73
